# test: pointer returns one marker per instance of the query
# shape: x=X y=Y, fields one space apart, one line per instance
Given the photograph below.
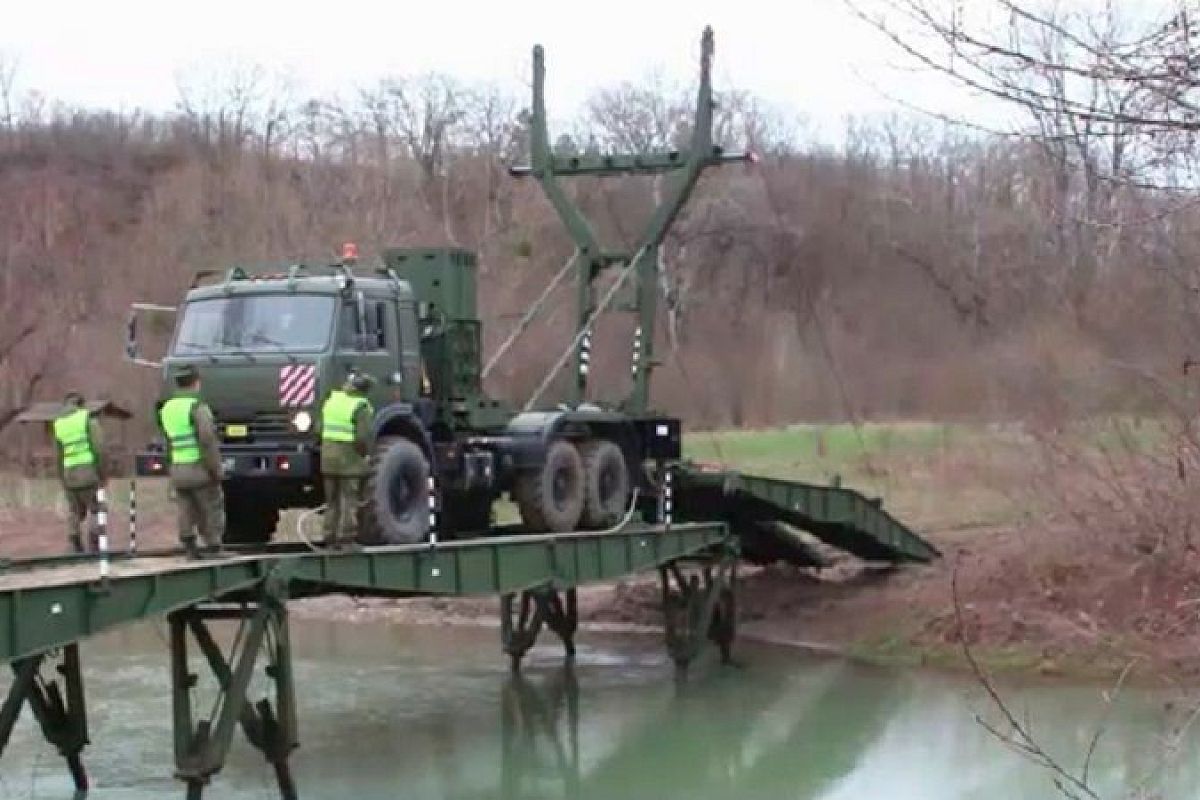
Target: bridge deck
x=838 y=516
x=51 y=603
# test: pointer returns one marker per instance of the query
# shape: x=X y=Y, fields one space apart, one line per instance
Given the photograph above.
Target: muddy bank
x=601 y=607
x=1029 y=601
x=779 y=604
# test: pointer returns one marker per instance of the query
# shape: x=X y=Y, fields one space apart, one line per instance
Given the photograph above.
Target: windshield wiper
x=262 y=338
x=201 y=350
x=236 y=350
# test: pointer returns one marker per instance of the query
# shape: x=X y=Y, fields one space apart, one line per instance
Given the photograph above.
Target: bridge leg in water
x=201 y=747
x=520 y=626
x=60 y=712
x=698 y=606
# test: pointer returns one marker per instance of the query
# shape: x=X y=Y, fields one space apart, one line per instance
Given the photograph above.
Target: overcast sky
x=810 y=57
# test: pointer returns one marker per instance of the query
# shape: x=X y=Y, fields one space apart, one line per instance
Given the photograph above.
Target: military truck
x=270 y=344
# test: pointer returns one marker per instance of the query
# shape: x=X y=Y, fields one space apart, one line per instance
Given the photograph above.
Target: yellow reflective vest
x=71 y=431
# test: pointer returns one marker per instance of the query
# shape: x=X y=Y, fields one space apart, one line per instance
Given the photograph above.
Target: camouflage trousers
x=80 y=503
x=201 y=512
x=343 y=500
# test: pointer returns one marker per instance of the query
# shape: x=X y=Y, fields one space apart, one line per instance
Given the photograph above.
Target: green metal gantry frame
x=591 y=258
x=49 y=606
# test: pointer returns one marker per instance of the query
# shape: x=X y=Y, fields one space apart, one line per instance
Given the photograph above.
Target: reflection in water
x=539 y=734
x=711 y=739
x=821 y=730
x=425 y=714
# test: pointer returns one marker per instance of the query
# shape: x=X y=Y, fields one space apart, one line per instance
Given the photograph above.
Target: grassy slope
x=932 y=476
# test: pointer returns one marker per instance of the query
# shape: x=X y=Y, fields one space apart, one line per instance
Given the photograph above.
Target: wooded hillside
x=911 y=269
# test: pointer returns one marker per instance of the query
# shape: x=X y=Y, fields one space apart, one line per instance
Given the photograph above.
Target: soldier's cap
x=186 y=373
x=73 y=398
x=359 y=381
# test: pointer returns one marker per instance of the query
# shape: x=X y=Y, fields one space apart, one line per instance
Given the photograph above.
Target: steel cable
x=585 y=328
x=527 y=319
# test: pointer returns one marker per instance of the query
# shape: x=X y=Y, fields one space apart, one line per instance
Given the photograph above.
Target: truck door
x=368 y=340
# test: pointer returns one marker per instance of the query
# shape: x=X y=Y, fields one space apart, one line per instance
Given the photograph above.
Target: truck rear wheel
x=551 y=499
x=606 y=484
x=397 y=494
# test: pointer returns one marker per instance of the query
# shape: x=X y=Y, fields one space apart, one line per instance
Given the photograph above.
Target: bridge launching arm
x=685 y=167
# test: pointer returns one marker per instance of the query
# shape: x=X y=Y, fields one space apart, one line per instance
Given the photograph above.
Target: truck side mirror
x=132 y=348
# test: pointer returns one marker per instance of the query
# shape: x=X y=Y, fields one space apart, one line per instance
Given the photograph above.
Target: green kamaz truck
x=270 y=344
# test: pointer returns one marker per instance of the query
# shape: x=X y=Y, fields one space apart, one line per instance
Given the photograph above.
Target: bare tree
x=423 y=115
x=8 y=97
x=230 y=106
x=1106 y=94
x=1091 y=70
x=638 y=118
x=494 y=131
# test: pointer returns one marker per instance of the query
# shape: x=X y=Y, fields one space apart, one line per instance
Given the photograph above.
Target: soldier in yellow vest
x=80 y=462
x=195 y=458
x=345 y=427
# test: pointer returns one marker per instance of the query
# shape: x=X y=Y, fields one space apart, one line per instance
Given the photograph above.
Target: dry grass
x=934 y=476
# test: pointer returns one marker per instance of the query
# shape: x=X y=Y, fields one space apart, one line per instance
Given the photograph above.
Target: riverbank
x=1019 y=611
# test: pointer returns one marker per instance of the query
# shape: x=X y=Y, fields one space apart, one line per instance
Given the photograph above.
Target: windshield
x=292 y=323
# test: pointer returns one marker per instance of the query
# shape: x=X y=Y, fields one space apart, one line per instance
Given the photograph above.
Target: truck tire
x=606 y=484
x=397 y=494
x=551 y=499
x=248 y=520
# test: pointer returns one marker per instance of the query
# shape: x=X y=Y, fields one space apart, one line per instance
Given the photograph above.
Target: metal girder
x=202 y=745
x=519 y=629
x=645 y=164
x=836 y=515
x=47 y=608
x=61 y=713
x=699 y=603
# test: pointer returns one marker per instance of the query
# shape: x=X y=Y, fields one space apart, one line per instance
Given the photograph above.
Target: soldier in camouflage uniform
x=345 y=428
x=80 y=462
x=196 y=474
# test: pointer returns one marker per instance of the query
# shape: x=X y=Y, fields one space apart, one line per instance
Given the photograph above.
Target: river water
x=391 y=712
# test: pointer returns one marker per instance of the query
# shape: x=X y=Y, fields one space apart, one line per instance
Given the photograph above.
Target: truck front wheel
x=551 y=499
x=397 y=494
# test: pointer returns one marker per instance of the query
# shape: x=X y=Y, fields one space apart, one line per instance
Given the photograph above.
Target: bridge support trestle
x=201 y=746
x=699 y=603
x=521 y=622
x=57 y=704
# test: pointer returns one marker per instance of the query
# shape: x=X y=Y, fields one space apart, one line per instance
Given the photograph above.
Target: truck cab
x=270 y=344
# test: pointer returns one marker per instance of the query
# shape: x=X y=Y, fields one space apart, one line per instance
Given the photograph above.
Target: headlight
x=302 y=421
